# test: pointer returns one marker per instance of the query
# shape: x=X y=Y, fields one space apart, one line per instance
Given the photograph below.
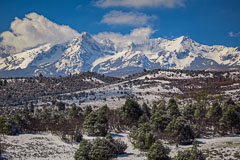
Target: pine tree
x=96 y=123
x=131 y=109
x=214 y=114
x=146 y=110
x=159 y=120
x=83 y=151
x=87 y=111
x=89 y=124
x=229 y=120
x=172 y=108
x=181 y=131
x=158 y=152
x=142 y=137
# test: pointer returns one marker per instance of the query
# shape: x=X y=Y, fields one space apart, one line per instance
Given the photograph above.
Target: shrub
x=158 y=152
x=102 y=149
x=121 y=146
x=9 y=128
x=108 y=136
x=77 y=137
x=61 y=106
x=193 y=154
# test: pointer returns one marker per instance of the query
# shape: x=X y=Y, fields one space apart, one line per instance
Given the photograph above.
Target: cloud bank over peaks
x=140 y=3
x=34 y=30
x=127 y=18
x=136 y=36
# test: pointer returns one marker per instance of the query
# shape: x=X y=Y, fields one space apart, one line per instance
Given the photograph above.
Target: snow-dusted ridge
x=88 y=53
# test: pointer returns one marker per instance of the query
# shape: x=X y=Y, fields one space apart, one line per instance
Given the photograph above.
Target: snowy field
x=114 y=95
x=148 y=88
x=38 y=147
x=50 y=147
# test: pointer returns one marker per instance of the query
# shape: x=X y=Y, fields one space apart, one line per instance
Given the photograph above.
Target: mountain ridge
x=89 y=53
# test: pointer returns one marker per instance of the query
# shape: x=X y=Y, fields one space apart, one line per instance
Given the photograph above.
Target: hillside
x=95 y=89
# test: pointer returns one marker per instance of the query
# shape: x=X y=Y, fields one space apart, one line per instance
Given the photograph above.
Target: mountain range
x=89 y=53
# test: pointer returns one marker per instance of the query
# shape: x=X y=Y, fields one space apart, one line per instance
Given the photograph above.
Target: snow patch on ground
x=50 y=147
x=38 y=147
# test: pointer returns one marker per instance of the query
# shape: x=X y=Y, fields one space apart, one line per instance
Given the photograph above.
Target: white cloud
x=136 y=36
x=127 y=18
x=140 y=3
x=231 y=34
x=34 y=30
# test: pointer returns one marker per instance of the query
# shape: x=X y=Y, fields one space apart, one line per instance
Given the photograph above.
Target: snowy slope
x=24 y=59
x=87 y=53
x=47 y=146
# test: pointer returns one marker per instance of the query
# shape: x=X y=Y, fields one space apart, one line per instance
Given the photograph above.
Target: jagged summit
x=86 y=53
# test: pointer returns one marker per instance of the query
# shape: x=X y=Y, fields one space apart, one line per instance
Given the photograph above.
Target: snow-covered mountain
x=6 y=50
x=88 y=53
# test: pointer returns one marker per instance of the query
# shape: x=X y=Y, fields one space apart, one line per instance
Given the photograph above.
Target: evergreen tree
x=130 y=112
x=83 y=151
x=229 y=102
x=96 y=123
x=158 y=152
x=142 y=138
x=146 y=110
x=154 y=108
x=188 y=112
x=87 y=111
x=101 y=125
x=89 y=124
x=159 y=120
x=199 y=117
x=229 y=120
x=172 y=108
x=73 y=113
x=181 y=131
x=214 y=114
x=143 y=119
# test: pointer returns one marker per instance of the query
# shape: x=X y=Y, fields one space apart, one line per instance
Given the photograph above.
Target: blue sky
x=206 y=21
